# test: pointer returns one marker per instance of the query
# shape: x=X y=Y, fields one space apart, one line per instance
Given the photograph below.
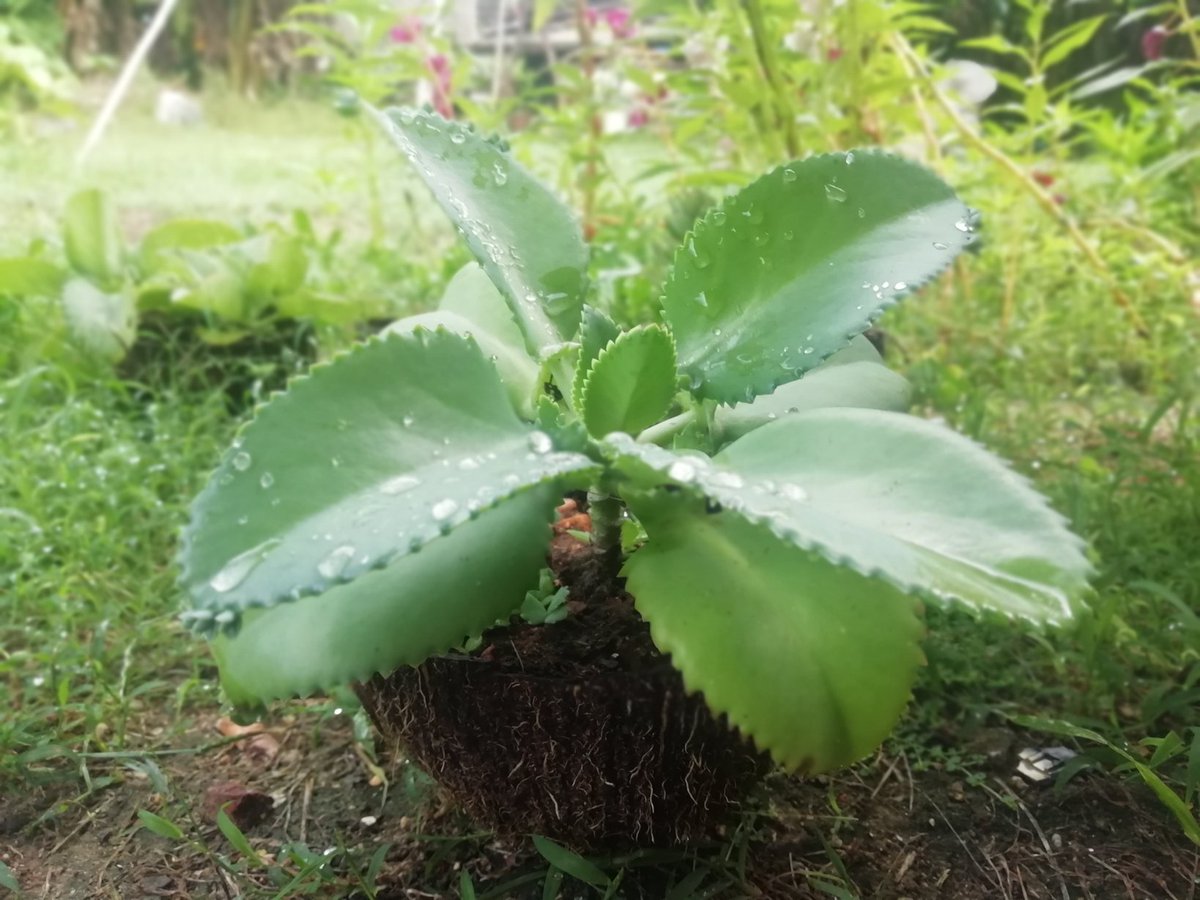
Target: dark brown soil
x=578 y=730
x=877 y=831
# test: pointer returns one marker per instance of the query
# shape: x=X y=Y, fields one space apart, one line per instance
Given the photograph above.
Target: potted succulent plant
x=762 y=521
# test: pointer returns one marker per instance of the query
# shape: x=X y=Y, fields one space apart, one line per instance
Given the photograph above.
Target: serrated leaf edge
x=877 y=311
x=610 y=347
x=362 y=673
x=813 y=545
x=201 y=619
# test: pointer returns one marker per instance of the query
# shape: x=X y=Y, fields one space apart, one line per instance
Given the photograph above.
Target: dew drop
x=468 y=462
x=962 y=226
x=243 y=520
x=336 y=561
x=539 y=442
x=399 y=485
x=849 y=158
x=681 y=471
x=241 y=460
x=500 y=178
x=407 y=421
x=239 y=568
x=835 y=193
x=444 y=509
x=793 y=492
x=718 y=217
x=900 y=285
x=789 y=176
x=862 y=213
x=267 y=480
x=728 y=480
x=702 y=299
x=788 y=235
x=938 y=245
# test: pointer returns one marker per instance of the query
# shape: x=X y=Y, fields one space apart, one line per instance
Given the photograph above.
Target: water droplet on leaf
x=835 y=193
x=335 y=562
x=539 y=442
x=241 y=461
x=399 y=485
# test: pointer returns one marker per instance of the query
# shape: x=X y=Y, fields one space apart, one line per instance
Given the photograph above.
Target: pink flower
x=620 y=20
x=406 y=32
x=833 y=54
x=438 y=65
x=1154 y=43
x=591 y=17
x=639 y=117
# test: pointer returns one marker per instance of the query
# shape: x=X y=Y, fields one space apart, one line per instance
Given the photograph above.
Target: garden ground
x=111 y=746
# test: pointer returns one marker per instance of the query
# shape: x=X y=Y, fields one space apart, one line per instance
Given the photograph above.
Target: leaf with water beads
x=359 y=476
x=421 y=604
x=890 y=495
x=785 y=272
x=528 y=243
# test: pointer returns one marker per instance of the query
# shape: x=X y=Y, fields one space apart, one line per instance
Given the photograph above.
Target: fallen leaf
x=262 y=746
x=245 y=806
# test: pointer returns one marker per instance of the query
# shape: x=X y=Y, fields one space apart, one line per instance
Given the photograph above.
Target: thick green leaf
x=517 y=371
x=91 y=239
x=815 y=662
x=28 y=277
x=785 y=272
x=596 y=332
x=369 y=458
x=472 y=295
x=631 y=383
x=854 y=376
x=104 y=324
x=421 y=604
x=526 y=240
x=893 y=495
x=183 y=234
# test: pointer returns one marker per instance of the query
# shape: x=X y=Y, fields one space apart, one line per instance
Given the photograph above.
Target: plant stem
x=606 y=512
x=765 y=50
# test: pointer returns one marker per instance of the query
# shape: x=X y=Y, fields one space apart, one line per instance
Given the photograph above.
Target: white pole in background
x=117 y=94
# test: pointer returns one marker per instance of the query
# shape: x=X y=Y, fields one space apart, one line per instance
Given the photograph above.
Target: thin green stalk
x=764 y=48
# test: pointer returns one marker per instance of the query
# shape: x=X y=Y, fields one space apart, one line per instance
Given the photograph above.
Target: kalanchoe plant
x=395 y=501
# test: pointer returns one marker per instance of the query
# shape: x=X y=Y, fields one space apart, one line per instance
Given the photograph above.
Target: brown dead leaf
x=261 y=747
x=245 y=806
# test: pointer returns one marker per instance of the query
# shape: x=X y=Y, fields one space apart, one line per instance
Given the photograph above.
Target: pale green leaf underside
x=783 y=273
x=813 y=661
x=528 y=243
x=854 y=376
x=897 y=496
x=516 y=370
x=26 y=276
x=472 y=295
x=631 y=383
x=103 y=323
x=367 y=459
x=422 y=604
